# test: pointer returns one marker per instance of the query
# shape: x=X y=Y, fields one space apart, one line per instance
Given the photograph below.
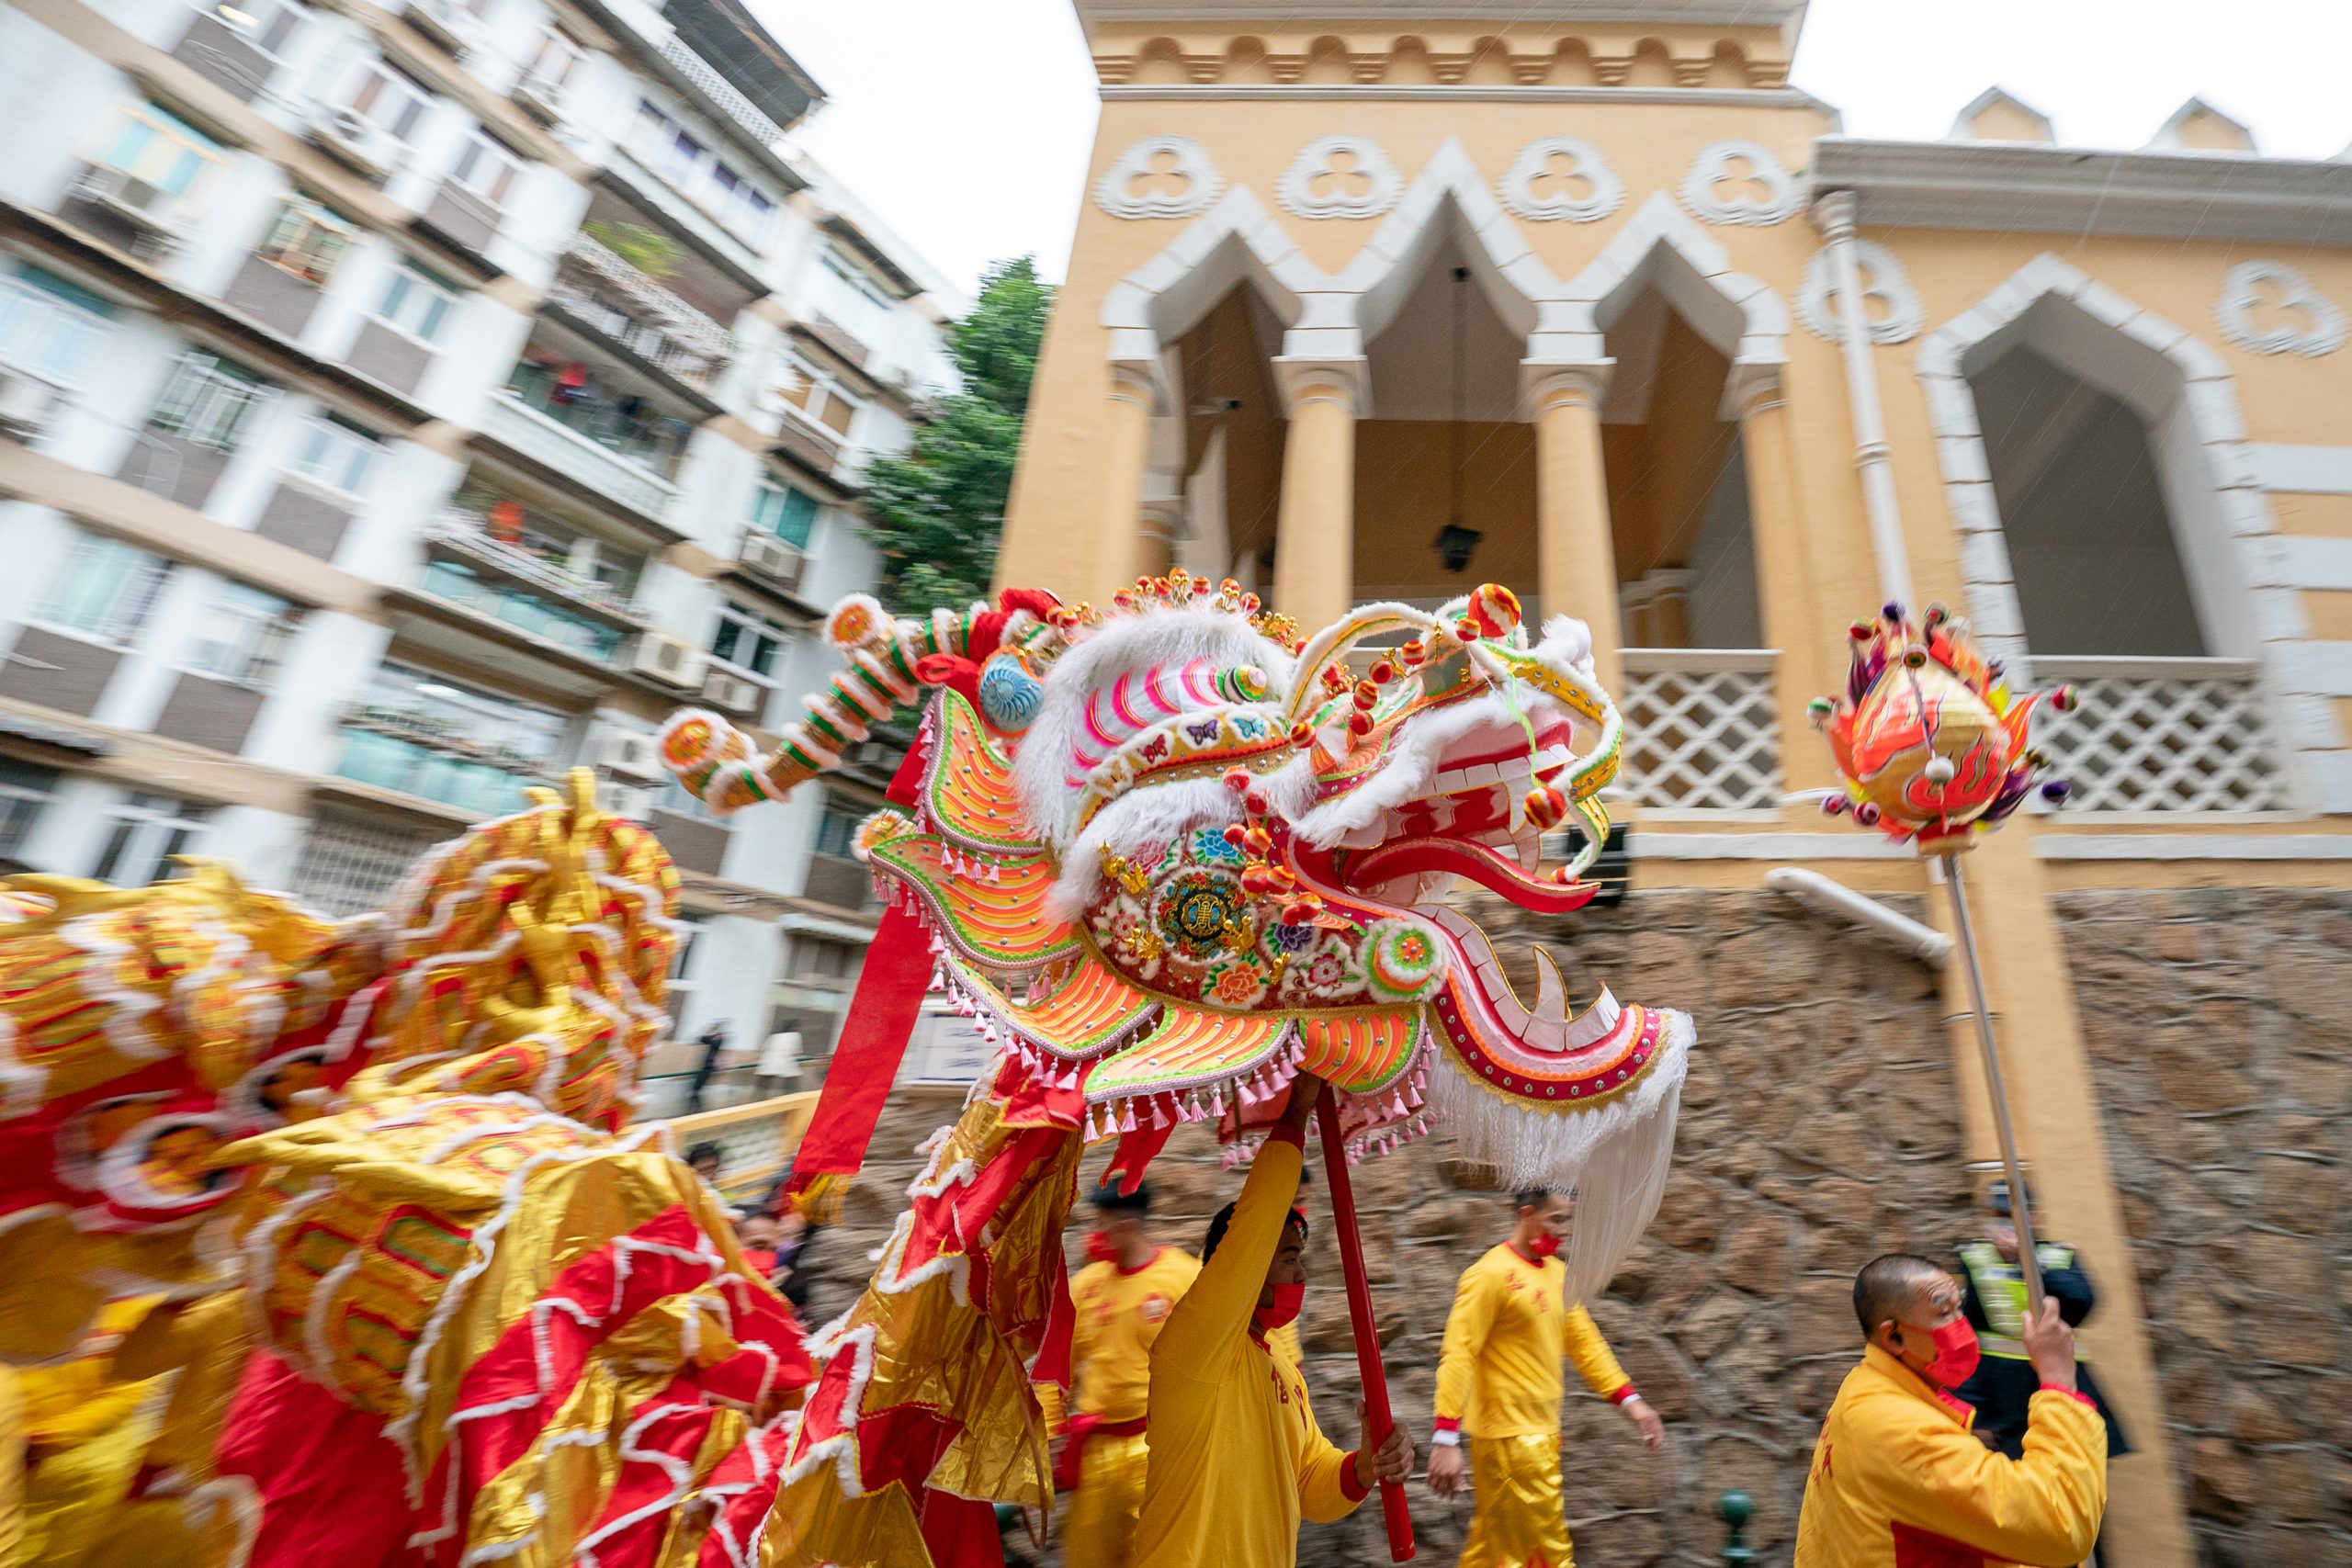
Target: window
x=335 y=455
x=822 y=958
x=49 y=327
x=748 y=640
x=790 y=514
x=855 y=279
x=156 y=148
x=105 y=588
x=209 y=400
x=265 y=24
x=487 y=169
x=464 y=715
x=679 y=156
x=559 y=56
x=690 y=930
x=307 y=239
x=243 y=635
x=837 y=829
x=390 y=99
x=818 y=396
x=416 y=303
x=148 y=830
x=349 y=866
x=24 y=790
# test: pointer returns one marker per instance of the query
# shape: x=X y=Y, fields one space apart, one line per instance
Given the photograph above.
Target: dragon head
x=1175 y=852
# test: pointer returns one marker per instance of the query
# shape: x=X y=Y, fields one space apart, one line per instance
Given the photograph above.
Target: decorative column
x=1784 y=576
x=1833 y=214
x=1127 y=449
x=1315 y=536
x=1576 y=553
x=1159 y=531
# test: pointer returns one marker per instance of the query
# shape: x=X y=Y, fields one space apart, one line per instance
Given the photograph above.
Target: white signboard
x=947 y=1048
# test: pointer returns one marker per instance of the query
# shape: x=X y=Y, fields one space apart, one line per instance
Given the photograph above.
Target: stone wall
x=1818 y=1129
x=2220 y=1024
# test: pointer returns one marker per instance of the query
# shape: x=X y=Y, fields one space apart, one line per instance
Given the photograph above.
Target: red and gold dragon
x=1169 y=854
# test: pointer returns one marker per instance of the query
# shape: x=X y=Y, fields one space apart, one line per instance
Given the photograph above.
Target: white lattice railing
x=2161 y=735
x=721 y=92
x=1702 y=729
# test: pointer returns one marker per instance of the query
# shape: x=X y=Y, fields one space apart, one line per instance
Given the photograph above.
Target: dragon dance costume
x=1168 y=853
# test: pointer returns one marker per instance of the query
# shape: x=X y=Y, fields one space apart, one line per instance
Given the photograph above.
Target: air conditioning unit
x=150 y=207
x=731 y=691
x=447 y=24
x=25 y=404
x=356 y=140
x=617 y=799
x=631 y=752
x=668 y=659
x=541 y=97
x=771 y=557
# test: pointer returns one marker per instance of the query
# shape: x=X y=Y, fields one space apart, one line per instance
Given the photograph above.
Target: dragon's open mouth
x=1471 y=822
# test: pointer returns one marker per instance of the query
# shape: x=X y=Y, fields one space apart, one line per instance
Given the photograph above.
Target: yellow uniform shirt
x=1119 y=1315
x=1498 y=1371
x=1899 y=1482
x=1237 y=1458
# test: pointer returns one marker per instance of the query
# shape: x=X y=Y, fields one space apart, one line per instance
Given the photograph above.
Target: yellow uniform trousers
x=1517 y=1521
x=1100 y=1529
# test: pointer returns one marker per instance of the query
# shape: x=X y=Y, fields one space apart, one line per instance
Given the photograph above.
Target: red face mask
x=1545 y=1244
x=1288 y=1299
x=1099 y=1248
x=1956 y=1354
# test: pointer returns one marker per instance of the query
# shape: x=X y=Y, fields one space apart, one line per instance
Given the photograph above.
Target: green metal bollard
x=1737 y=1508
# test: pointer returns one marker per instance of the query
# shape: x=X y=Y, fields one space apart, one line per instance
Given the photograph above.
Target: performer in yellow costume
x=1900 y=1480
x=1236 y=1457
x=1499 y=1381
x=1122 y=1298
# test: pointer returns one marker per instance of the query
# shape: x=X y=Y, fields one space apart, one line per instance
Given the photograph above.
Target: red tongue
x=1460 y=857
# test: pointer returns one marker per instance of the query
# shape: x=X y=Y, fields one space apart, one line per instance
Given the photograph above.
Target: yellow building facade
x=1398 y=298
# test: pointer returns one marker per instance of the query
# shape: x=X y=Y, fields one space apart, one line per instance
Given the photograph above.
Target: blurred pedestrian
x=714 y=1044
x=779 y=1066
x=706 y=1161
x=2004 y=1382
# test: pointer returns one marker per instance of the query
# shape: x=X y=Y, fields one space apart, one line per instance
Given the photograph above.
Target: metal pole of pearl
x=2019 y=1210
x=1377 y=1421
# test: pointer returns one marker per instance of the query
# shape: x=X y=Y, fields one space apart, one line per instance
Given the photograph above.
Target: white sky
x=965 y=124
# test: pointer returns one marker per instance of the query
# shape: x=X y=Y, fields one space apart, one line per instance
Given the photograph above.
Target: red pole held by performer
x=1376 y=1418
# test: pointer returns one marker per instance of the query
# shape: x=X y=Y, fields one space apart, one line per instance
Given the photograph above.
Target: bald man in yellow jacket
x=1899 y=1481
x=1236 y=1456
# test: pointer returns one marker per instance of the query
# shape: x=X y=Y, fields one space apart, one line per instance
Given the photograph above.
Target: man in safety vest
x=1898 y=1480
x=1122 y=1297
x=2004 y=1382
x=1236 y=1456
x=1499 y=1382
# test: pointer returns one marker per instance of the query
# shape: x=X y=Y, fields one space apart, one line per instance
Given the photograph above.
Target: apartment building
x=401 y=406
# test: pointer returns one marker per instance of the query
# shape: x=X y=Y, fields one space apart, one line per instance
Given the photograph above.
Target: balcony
x=462 y=536
x=814 y=446
x=597 y=445
x=1701 y=730
x=558 y=624
x=606 y=292
x=394 y=749
x=2161 y=735
x=704 y=79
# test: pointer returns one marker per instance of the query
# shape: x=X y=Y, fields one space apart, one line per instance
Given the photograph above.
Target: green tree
x=935 y=511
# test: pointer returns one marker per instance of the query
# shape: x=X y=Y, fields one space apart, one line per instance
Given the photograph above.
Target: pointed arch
x=1236 y=241
x=1447 y=198
x=2180 y=391
x=2222 y=519
x=1663 y=248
